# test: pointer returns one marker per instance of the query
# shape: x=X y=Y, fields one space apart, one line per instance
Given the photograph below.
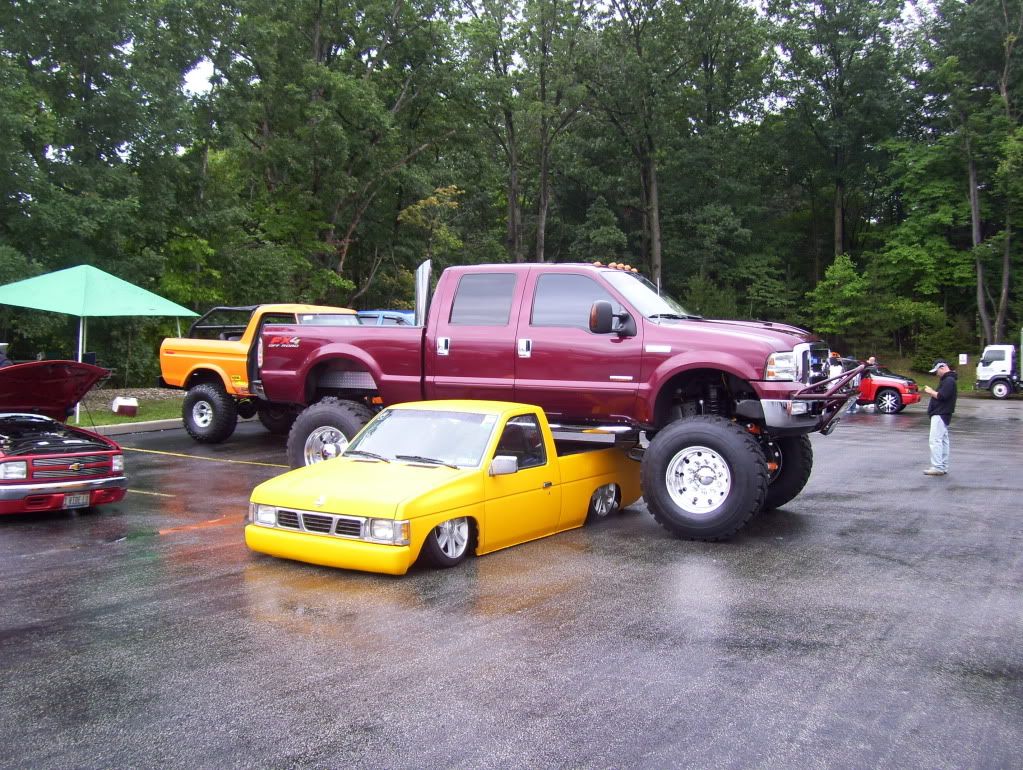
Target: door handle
x=443 y=346
x=548 y=484
x=525 y=347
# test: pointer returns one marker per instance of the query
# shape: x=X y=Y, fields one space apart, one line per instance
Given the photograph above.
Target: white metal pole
x=81 y=344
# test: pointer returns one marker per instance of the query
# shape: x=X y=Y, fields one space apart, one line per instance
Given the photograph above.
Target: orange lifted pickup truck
x=214 y=362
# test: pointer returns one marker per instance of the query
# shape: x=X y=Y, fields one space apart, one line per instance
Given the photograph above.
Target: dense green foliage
x=849 y=165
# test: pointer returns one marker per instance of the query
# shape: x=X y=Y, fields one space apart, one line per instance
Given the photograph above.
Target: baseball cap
x=937 y=365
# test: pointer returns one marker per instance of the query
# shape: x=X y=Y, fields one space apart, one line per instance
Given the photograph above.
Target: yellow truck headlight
x=12 y=471
x=387 y=531
x=781 y=366
x=265 y=515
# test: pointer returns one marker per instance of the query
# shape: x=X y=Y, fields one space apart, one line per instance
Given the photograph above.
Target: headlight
x=117 y=464
x=11 y=471
x=781 y=366
x=387 y=531
x=266 y=515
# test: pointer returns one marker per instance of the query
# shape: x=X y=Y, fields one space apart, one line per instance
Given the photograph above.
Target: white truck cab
x=999 y=371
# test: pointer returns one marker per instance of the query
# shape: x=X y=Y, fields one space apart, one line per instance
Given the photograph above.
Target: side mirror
x=503 y=465
x=601 y=317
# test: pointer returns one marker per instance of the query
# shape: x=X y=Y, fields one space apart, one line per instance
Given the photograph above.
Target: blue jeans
x=939 y=444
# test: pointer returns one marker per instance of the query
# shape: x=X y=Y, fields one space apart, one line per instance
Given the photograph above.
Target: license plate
x=76 y=501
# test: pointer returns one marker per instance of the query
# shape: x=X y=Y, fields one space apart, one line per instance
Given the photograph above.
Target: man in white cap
x=940 y=409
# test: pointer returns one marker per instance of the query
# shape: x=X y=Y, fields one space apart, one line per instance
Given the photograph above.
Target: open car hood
x=51 y=388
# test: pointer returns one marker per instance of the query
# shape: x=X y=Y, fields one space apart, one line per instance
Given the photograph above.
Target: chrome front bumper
x=10 y=491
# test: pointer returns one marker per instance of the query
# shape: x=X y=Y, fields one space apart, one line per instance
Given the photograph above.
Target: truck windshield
x=643 y=296
x=440 y=437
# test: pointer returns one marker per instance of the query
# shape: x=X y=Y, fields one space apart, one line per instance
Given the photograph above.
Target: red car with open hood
x=46 y=465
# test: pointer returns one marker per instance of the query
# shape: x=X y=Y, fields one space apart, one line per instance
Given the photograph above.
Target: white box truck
x=999 y=370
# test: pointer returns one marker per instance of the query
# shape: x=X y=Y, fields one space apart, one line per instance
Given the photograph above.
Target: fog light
x=799 y=407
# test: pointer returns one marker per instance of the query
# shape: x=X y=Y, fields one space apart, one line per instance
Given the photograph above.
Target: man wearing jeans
x=940 y=409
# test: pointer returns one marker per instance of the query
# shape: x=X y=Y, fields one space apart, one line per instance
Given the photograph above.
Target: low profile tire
x=704 y=478
x=888 y=401
x=450 y=543
x=1001 y=389
x=604 y=501
x=793 y=456
x=323 y=430
x=209 y=414
x=277 y=418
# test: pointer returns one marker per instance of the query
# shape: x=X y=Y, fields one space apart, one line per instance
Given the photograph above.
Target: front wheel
x=209 y=414
x=323 y=430
x=790 y=461
x=1001 y=389
x=888 y=402
x=703 y=477
x=449 y=543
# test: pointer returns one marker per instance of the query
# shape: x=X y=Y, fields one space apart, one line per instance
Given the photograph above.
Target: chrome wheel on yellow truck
x=704 y=477
x=449 y=543
x=604 y=501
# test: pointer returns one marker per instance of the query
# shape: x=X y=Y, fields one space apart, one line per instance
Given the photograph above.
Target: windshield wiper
x=364 y=453
x=677 y=316
x=421 y=459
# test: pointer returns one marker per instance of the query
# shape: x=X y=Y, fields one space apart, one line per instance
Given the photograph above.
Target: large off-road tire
x=209 y=414
x=1000 y=389
x=450 y=543
x=793 y=456
x=323 y=430
x=277 y=418
x=703 y=477
x=888 y=401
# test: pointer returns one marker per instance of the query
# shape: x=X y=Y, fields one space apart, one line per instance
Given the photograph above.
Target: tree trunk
x=545 y=197
x=839 y=217
x=985 y=320
x=513 y=238
x=655 y=217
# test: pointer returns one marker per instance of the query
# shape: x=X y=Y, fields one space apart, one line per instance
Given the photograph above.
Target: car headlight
x=117 y=463
x=265 y=515
x=388 y=531
x=13 y=471
x=781 y=366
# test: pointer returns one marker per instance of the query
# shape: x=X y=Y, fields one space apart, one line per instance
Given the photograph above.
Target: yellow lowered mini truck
x=438 y=481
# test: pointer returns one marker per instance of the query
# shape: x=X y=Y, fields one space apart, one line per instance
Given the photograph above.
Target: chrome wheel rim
x=603 y=501
x=453 y=537
x=324 y=444
x=202 y=414
x=889 y=403
x=698 y=480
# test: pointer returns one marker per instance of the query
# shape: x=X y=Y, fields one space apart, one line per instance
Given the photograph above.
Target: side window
x=565 y=300
x=523 y=440
x=996 y=355
x=483 y=299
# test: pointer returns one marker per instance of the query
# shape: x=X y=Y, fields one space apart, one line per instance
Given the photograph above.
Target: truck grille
x=74 y=467
x=320 y=523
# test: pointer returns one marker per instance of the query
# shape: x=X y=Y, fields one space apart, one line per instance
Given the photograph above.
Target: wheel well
x=474 y=535
x=200 y=376
x=701 y=391
x=341 y=377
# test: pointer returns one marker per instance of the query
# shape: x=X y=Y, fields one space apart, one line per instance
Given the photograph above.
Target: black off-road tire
x=323 y=430
x=209 y=414
x=704 y=477
x=794 y=455
x=276 y=418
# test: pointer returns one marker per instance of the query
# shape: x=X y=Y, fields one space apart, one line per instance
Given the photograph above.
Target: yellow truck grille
x=320 y=523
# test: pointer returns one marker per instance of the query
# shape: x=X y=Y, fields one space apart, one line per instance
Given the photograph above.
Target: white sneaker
x=934 y=472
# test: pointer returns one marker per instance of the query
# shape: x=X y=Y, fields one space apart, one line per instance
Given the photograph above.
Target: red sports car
x=889 y=392
x=46 y=465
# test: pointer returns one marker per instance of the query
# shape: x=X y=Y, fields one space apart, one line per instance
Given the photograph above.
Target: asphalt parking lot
x=875 y=621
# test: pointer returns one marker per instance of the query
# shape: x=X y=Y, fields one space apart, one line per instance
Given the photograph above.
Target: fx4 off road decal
x=284 y=342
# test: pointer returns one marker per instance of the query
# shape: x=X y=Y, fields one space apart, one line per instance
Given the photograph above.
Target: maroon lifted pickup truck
x=726 y=405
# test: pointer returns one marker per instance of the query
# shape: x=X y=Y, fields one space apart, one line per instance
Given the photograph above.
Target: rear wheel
x=604 y=501
x=209 y=414
x=888 y=401
x=277 y=418
x=704 y=477
x=1001 y=389
x=323 y=430
x=790 y=461
x=449 y=543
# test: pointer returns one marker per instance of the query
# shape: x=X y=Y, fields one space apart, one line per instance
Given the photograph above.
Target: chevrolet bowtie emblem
x=76 y=466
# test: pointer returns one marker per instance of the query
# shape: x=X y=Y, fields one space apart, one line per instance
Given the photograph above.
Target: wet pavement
x=875 y=621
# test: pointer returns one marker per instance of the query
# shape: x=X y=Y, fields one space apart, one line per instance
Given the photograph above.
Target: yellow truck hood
x=356 y=487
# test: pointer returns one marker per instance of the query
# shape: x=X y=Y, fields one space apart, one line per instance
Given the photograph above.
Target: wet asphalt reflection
x=875 y=621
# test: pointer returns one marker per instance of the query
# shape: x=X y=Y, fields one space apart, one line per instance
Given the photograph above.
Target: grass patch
x=155 y=409
x=901 y=365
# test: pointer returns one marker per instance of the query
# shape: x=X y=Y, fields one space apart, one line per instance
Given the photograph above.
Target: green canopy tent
x=86 y=291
